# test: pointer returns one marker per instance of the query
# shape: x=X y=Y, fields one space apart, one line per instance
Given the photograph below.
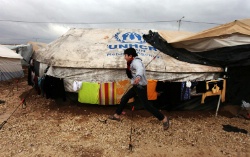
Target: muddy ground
x=45 y=127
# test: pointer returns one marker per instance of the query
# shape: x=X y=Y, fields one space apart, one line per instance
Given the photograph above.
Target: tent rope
x=23 y=103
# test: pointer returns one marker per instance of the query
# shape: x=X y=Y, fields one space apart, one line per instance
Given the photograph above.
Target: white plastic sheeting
x=10 y=64
x=103 y=49
x=96 y=55
x=111 y=75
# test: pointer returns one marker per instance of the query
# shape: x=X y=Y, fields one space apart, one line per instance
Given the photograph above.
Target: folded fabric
x=89 y=93
x=107 y=93
x=151 y=89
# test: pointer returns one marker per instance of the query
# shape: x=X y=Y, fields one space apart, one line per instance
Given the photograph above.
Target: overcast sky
x=45 y=20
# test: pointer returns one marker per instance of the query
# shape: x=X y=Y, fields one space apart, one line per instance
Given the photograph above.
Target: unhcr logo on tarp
x=129 y=37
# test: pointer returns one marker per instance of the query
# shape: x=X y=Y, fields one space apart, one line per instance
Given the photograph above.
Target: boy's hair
x=130 y=51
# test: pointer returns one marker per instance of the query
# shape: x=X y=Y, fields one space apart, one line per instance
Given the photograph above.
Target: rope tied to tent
x=153 y=58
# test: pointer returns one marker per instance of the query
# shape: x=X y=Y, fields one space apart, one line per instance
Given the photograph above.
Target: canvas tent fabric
x=172 y=36
x=96 y=55
x=238 y=26
x=26 y=50
x=234 y=33
x=161 y=44
x=113 y=75
x=36 y=45
x=103 y=49
x=235 y=55
x=10 y=64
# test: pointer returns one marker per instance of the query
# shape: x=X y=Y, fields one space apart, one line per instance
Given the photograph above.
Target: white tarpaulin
x=96 y=55
x=10 y=64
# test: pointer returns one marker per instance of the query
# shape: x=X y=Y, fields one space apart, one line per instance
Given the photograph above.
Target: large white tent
x=96 y=55
x=10 y=64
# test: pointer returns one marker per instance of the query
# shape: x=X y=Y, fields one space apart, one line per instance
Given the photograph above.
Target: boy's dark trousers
x=141 y=92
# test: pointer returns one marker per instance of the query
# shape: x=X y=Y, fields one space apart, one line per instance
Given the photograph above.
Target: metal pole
x=218 y=105
x=179 y=21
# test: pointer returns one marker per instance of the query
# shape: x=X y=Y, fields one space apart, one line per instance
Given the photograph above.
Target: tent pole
x=218 y=105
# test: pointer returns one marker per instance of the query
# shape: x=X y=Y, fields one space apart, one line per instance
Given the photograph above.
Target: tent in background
x=26 y=50
x=10 y=64
x=235 y=33
x=39 y=67
x=36 y=45
x=226 y=46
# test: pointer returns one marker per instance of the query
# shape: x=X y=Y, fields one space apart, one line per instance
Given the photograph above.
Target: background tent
x=96 y=55
x=227 y=46
x=36 y=45
x=224 y=45
x=230 y=34
x=10 y=64
x=39 y=67
x=26 y=50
